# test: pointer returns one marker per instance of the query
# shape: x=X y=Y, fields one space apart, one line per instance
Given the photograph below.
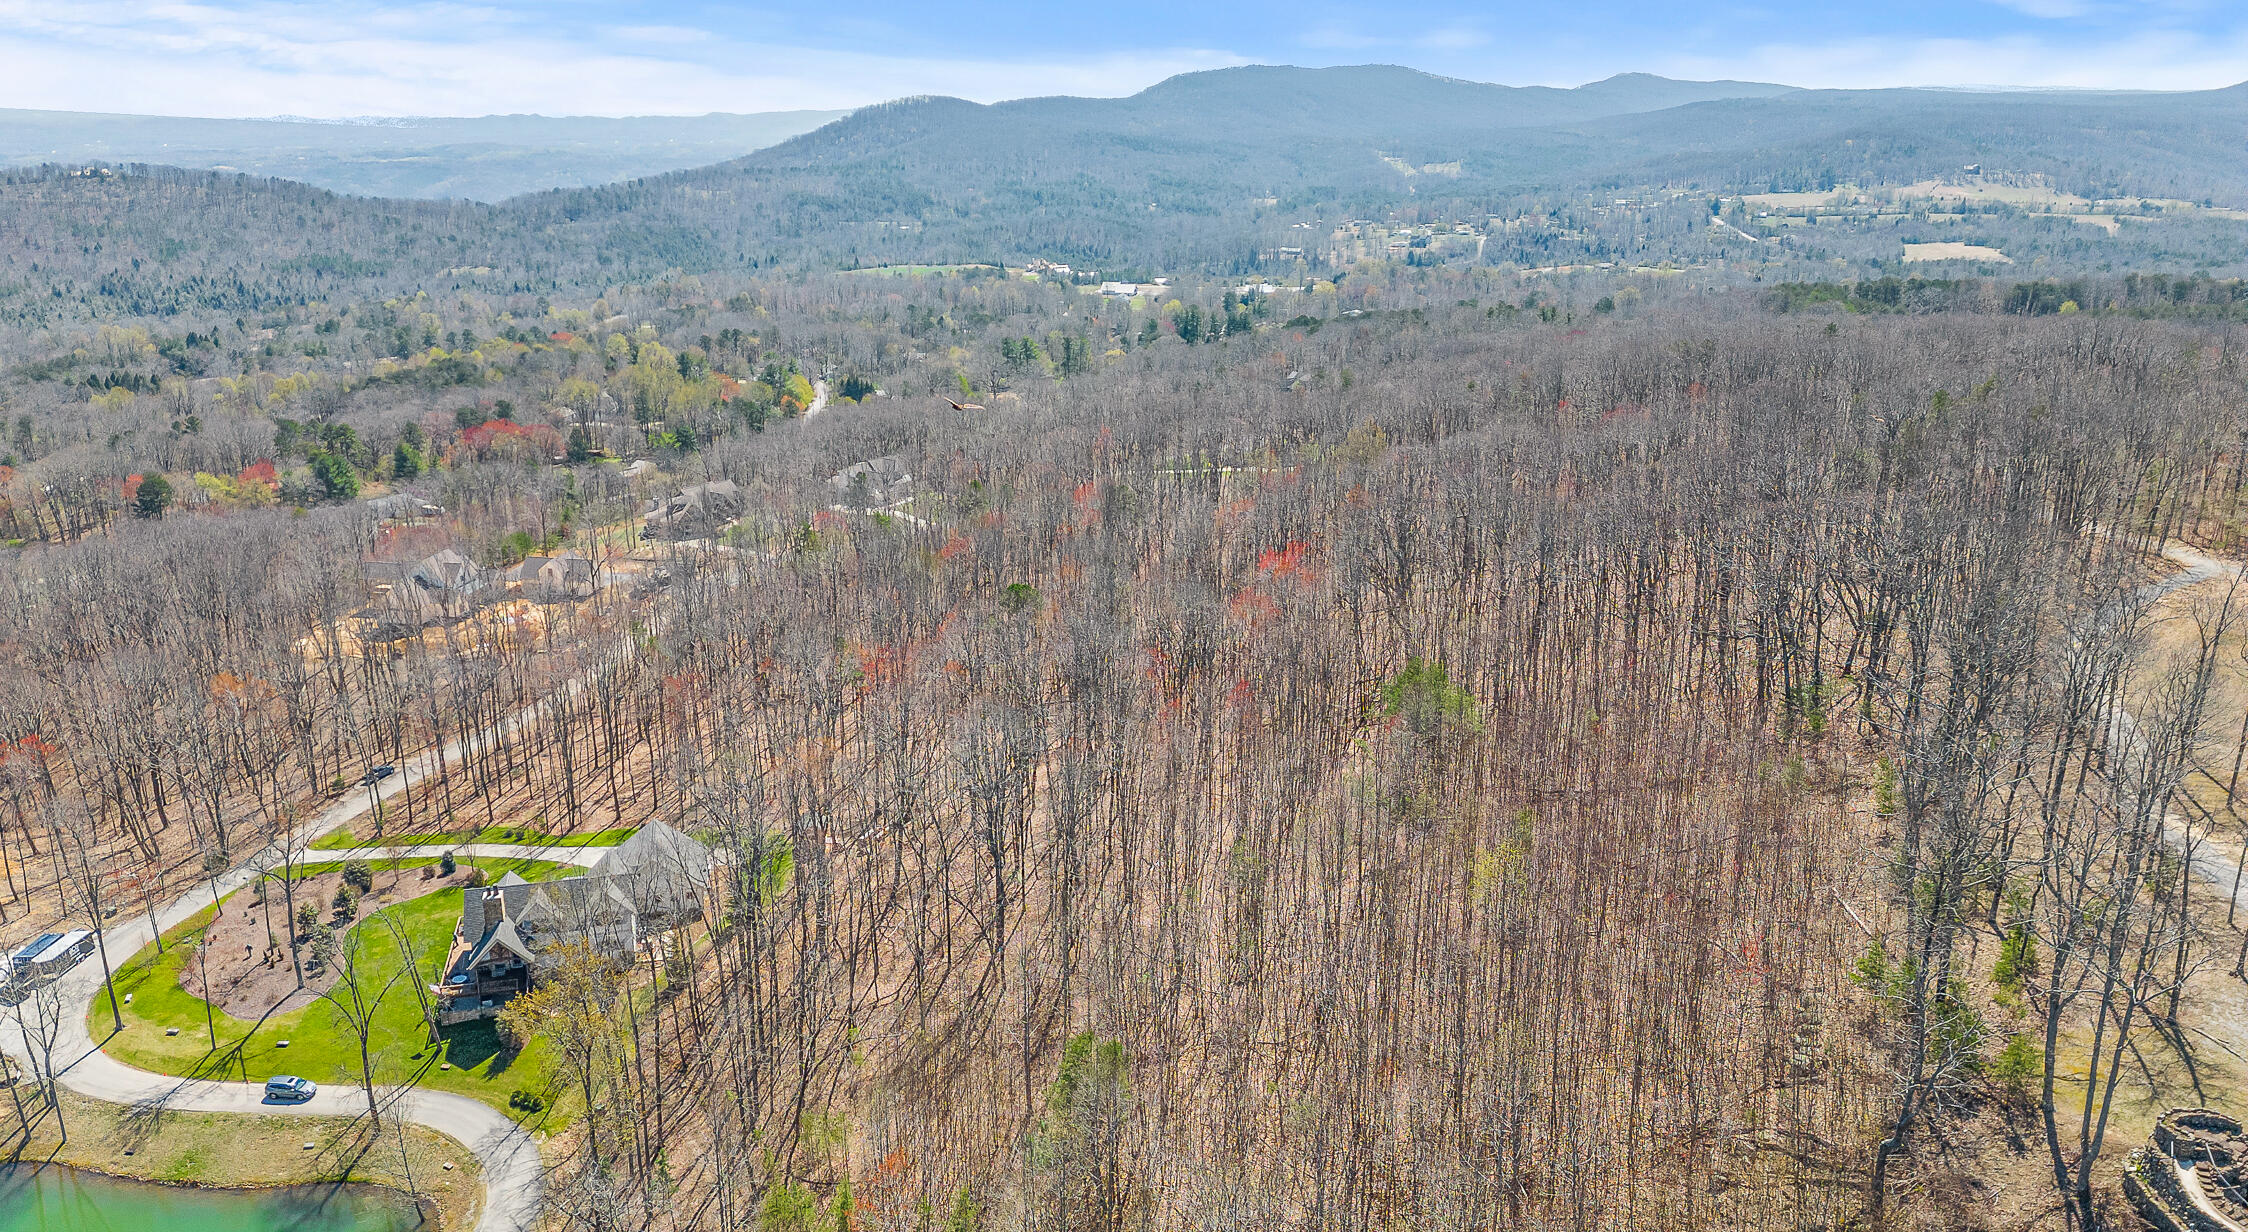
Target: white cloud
x=661 y=34
x=1334 y=35
x=2051 y=10
x=462 y=59
x=2150 y=60
x=1453 y=38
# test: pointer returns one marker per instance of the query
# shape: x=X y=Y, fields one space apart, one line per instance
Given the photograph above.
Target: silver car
x=290 y=1089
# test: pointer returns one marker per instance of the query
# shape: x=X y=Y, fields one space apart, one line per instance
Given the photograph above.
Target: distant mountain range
x=487 y=158
x=1178 y=171
x=1209 y=170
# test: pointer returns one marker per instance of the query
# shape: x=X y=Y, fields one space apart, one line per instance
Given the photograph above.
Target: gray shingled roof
x=660 y=868
x=658 y=871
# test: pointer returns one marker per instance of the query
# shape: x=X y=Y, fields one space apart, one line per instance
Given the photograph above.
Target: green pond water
x=51 y=1199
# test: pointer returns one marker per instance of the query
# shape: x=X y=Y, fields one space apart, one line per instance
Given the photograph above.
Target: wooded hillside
x=1441 y=767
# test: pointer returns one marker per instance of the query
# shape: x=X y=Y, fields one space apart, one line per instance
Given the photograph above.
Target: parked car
x=376 y=775
x=290 y=1088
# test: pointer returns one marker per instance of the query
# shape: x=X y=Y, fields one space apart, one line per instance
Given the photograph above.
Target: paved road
x=2212 y=861
x=819 y=399
x=1753 y=239
x=513 y=1176
x=888 y=511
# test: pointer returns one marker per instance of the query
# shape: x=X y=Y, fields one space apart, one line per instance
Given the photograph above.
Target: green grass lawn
x=522 y=866
x=340 y=840
x=321 y=1046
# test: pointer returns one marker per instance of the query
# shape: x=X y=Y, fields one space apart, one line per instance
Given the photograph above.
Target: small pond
x=52 y=1199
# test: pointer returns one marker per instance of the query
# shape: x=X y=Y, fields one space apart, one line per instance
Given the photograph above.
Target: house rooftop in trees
x=650 y=882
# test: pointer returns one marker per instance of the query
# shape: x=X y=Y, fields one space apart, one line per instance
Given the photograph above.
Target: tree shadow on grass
x=473 y=1043
x=229 y=1062
x=139 y=1124
x=20 y=1133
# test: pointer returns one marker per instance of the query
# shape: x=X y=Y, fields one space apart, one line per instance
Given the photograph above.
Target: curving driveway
x=513 y=1175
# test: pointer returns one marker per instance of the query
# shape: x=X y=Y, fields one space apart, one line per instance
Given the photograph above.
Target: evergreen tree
x=338 y=481
x=154 y=497
x=965 y=1213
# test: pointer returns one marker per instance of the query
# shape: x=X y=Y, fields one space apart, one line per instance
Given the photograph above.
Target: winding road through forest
x=513 y=1175
x=2210 y=861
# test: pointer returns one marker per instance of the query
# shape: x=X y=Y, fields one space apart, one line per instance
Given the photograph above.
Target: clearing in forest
x=308 y=1036
x=1953 y=250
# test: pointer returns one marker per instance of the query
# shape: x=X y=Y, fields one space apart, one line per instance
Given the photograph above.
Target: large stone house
x=436 y=589
x=876 y=481
x=649 y=884
x=701 y=510
x=564 y=575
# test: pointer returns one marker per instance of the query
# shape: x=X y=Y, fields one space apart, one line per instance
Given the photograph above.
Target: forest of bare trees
x=1428 y=770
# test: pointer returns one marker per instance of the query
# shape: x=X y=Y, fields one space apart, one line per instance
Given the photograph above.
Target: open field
x=1953 y=250
x=1842 y=196
x=2031 y=198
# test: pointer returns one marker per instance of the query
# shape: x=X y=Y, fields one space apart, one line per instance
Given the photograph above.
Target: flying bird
x=964 y=406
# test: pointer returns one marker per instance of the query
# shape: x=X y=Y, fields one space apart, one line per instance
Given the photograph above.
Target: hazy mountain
x=1181 y=171
x=1165 y=174
x=1376 y=99
x=2184 y=144
x=1207 y=170
x=1208 y=138
x=486 y=158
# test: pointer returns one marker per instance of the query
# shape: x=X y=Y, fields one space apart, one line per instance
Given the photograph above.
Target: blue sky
x=624 y=57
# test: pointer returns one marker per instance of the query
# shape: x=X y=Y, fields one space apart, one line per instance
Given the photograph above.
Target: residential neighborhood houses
x=402 y=507
x=696 y=511
x=437 y=589
x=876 y=481
x=446 y=586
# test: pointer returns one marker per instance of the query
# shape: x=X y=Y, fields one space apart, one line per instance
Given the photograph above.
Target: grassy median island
x=228 y=1150
x=526 y=836
x=321 y=1044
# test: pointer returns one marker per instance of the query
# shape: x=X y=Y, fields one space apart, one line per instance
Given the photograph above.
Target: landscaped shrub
x=445 y=865
x=346 y=901
x=475 y=877
x=359 y=875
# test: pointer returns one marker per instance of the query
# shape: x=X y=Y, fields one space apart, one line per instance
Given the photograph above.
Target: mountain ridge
x=1217 y=170
x=486 y=158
